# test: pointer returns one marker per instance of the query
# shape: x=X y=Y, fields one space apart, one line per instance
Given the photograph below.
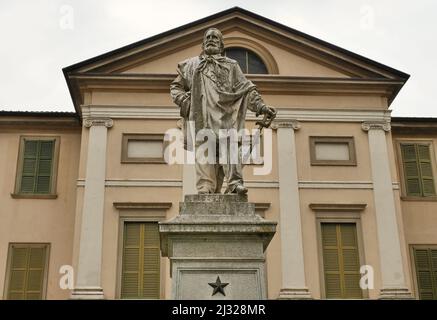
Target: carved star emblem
x=218 y=286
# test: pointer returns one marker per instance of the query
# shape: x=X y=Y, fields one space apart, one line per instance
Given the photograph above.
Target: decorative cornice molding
x=262 y=206
x=293 y=124
x=338 y=207
x=272 y=84
x=340 y=185
x=376 y=125
x=170 y=183
x=137 y=183
x=249 y=183
x=143 y=205
x=89 y=122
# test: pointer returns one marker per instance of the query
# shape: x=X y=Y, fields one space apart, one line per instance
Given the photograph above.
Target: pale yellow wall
x=39 y=220
x=308 y=172
x=419 y=216
x=117 y=170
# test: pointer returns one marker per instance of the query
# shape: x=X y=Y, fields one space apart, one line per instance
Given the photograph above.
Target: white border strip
x=367 y=185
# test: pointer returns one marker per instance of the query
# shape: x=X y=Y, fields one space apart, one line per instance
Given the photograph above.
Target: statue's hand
x=269 y=115
x=269 y=111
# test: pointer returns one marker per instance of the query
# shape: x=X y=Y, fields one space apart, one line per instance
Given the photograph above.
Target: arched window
x=249 y=61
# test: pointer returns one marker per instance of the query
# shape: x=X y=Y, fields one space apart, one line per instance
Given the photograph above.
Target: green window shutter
x=141 y=261
x=27 y=270
x=350 y=261
x=419 y=179
x=330 y=261
x=18 y=274
x=341 y=260
x=424 y=154
x=44 y=166
x=28 y=175
x=151 y=272
x=35 y=275
x=411 y=170
x=37 y=166
x=131 y=261
x=426 y=272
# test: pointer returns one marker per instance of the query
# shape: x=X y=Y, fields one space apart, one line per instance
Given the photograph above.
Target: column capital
x=293 y=124
x=376 y=125
x=89 y=122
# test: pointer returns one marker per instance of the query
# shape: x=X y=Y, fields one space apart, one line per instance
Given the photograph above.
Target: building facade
x=352 y=189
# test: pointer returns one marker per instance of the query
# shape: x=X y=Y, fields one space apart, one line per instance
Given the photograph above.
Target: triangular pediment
x=287 y=51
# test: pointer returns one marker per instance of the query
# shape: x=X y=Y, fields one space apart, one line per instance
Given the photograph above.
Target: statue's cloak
x=219 y=94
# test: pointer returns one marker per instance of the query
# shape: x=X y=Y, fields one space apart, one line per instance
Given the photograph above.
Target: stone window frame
x=126 y=137
x=400 y=165
x=412 y=246
x=46 y=245
x=338 y=213
x=138 y=212
x=19 y=168
x=333 y=139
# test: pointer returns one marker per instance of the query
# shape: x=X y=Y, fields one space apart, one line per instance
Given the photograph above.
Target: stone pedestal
x=216 y=248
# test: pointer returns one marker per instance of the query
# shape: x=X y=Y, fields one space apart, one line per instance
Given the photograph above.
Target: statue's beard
x=212 y=49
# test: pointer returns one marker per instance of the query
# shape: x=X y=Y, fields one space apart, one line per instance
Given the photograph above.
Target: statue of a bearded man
x=213 y=94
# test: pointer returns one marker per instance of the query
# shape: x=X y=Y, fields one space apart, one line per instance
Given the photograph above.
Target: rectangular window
x=417 y=168
x=27 y=271
x=332 y=151
x=140 y=277
x=341 y=263
x=143 y=148
x=37 y=166
x=425 y=260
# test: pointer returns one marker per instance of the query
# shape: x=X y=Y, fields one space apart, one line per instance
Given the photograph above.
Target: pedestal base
x=216 y=248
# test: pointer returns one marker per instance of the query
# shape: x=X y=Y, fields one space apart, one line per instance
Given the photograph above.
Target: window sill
x=409 y=198
x=333 y=163
x=143 y=161
x=33 y=196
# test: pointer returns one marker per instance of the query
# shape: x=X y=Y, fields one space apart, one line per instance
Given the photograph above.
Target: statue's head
x=213 y=42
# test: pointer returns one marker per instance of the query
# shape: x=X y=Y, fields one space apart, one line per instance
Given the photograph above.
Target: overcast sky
x=40 y=37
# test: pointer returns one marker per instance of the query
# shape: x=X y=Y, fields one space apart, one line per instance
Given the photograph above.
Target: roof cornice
x=43 y=119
